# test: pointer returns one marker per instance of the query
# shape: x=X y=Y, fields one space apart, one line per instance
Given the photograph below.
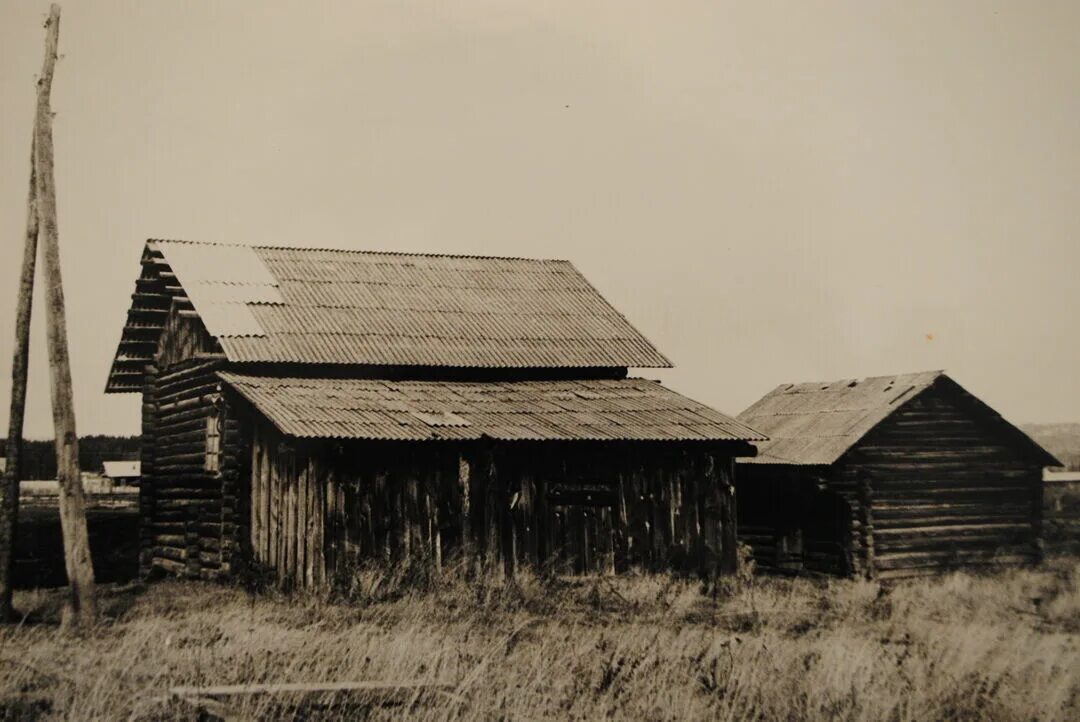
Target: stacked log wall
x=939 y=485
x=191 y=528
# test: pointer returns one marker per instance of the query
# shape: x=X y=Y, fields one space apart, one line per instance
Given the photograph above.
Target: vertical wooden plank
x=710 y=494
x=278 y=509
x=654 y=478
x=700 y=481
x=492 y=510
x=674 y=495
x=542 y=519
x=866 y=520
x=381 y=502
x=287 y=545
x=294 y=488
x=729 y=539
x=309 y=518
x=527 y=515
x=637 y=533
x=569 y=538
x=343 y=562
x=730 y=529
x=256 y=495
x=689 y=479
x=417 y=543
x=465 y=522
x=393 y=483
x=300 y=472
x=332 y=539
x=309 y=541
x=584 y=524
x=319 y=511
x=269 y=463
x=619 y=555
x=372 y=547
x=505 y=519
x=265 y=475
x=432 y=513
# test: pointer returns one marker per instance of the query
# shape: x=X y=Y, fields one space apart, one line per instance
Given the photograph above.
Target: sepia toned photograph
x=506 y=360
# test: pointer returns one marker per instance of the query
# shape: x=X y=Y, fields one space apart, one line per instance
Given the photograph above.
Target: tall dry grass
x=1003 y=646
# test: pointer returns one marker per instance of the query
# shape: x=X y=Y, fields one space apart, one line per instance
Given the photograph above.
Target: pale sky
x=771 y=192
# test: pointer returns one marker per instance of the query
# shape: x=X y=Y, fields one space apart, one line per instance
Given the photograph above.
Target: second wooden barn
x=310 y=411
x=888 y=476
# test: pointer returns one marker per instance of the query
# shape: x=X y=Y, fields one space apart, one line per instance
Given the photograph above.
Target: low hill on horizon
x=1061 y=440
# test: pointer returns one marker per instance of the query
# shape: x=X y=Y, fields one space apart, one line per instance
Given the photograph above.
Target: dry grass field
x=1000 y=646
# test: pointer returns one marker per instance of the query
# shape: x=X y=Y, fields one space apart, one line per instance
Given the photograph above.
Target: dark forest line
x=39 y=457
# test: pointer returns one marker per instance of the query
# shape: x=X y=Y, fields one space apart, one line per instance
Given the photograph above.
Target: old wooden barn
x=312 y=410
x=888 y=476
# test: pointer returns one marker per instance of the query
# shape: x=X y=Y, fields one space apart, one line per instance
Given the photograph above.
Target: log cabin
x=309 y=411
x=886 y=477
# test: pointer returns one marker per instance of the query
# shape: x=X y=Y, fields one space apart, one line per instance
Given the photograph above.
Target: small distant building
x=1062 y=508
x=122 y=473
x=888 y=476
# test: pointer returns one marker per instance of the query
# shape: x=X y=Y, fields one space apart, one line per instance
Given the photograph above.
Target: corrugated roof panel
x=292 y=305
x=378 y=409
x=816 y=423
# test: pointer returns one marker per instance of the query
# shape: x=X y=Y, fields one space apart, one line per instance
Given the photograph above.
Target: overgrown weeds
x=963 y=646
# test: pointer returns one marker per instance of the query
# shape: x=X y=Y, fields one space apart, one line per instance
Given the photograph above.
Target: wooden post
x=729 y=538
x=9 y=489
x=81 y=606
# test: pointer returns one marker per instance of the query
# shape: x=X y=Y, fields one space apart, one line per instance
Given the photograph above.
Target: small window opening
x=214 y=425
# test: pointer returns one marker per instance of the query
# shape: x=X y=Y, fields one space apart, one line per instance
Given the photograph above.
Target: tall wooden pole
x=9 y=488
x=81 y=606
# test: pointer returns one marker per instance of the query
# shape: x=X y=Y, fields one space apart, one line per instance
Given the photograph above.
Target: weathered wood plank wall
x=319 y=510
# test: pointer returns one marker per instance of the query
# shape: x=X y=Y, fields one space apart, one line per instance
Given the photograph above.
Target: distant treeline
x=39 y=457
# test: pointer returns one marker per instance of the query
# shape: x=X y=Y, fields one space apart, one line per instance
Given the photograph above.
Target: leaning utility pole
x=9 y=487
x=81 y=606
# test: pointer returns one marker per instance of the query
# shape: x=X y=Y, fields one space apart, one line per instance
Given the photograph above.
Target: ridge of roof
x=359 y=251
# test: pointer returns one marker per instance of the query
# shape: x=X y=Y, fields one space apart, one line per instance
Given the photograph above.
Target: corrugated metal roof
x=273 y=304
x=816 y=423
x=609 y=409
